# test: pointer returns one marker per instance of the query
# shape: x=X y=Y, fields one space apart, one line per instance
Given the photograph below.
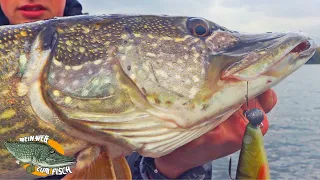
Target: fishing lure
x=253 y=161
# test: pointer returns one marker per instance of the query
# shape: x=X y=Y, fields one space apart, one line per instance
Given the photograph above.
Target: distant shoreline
x=315 y=58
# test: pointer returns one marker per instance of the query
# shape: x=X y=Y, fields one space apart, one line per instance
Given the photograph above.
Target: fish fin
x=264 y=172
x=93 y=163
x=89 y=164
x=121 y=168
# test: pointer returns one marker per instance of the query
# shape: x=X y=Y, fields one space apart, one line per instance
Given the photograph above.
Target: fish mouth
x=272 y=54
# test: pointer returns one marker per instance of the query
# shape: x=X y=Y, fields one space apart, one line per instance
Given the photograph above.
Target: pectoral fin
x=121 y=168
x=96 y=163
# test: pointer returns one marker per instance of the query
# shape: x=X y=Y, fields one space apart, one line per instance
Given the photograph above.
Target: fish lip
x=310 y=51
x=278 y=40
x=311 y=47
x=311 y=44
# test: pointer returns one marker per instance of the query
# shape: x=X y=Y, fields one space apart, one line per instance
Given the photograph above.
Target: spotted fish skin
x=17 y=116
x=144 y=83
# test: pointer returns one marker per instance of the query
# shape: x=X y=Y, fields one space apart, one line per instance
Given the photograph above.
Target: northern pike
x=105 y=86
x=38 y=153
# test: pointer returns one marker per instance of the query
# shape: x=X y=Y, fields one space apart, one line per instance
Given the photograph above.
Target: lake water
x=293 y=140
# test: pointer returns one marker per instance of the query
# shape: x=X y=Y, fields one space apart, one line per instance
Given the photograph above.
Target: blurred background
x=293 y=140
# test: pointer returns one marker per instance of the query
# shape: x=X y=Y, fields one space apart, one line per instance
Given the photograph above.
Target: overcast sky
x=241 y=15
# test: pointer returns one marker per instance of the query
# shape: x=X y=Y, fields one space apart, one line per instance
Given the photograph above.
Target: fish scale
x=22 y=121
x=111 y=84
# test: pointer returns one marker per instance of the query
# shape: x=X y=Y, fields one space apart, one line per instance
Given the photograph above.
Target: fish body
x=142 y=83
x=39 y=154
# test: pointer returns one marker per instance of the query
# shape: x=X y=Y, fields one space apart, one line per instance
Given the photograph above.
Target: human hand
x=219 y=142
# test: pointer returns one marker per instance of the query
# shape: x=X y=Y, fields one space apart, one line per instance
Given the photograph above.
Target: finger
x=268 y=100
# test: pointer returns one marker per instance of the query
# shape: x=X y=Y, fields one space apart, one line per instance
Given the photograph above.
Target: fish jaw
x=276 y=54
x=282 y=54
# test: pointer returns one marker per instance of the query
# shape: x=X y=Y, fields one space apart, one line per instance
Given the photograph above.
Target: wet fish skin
x=38 y=153
x=143 y=83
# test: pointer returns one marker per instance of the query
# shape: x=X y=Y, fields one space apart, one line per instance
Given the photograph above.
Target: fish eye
x=52 y=152
x=200 y=30
x=198 y=27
